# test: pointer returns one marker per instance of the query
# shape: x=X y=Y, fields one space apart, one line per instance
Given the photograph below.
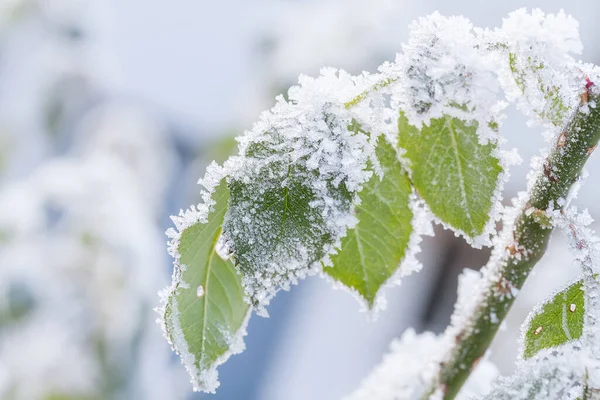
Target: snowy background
x=109 y=112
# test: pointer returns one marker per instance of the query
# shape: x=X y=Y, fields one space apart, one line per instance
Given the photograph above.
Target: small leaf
x=205 y=314
x=452 y=171
x=554 y=108
x=371 y=252
x=555 y=322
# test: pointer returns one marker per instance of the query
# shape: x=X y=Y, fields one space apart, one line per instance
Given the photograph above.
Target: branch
x=521 y=246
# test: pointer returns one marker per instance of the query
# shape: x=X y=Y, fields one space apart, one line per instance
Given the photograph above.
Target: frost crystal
x=538 y=73
x=292 y=185
x=445 y=69
x=413 y=362
x=552 y=375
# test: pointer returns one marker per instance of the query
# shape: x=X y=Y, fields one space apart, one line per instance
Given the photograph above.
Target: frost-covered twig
x=520 y=246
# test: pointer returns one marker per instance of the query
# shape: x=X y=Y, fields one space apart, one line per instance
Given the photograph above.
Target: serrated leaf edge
x=421 y=226
x=205 y=380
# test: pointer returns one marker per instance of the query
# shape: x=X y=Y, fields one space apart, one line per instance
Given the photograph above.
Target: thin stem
x=379 y=85
x=524 y=244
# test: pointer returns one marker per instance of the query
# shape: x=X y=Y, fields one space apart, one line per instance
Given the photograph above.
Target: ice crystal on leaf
x=538 y=71
x=447 y=95
x=564 y=364
x=203 y=312
x=292 y=186
x=389 y=212
x=552 y=375
x=446 y=70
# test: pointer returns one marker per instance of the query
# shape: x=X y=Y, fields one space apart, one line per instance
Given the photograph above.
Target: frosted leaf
x=203 y=312
x=292 y=186
x=585 y=245
x=538 y=72
x=381 y=248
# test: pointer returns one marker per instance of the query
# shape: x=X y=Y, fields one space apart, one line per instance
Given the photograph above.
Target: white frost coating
x=449 y=68
x=553 y=374
x=446 y=68
x=536 y=48
x=409 y=367
x=301 y=142
x=405 y=370
x=206 y=380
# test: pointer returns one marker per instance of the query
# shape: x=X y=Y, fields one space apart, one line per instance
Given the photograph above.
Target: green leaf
x=276 y=229
x=555 y=322
x=205 y=315
x=452 y=171
x=372 y=252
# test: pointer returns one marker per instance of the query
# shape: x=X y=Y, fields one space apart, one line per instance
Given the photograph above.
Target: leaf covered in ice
x=205 y=314
x=372 y=252
x=452 y=171
x=555 y=322
x=538 y=72
x=278 y=236
x=293 y=184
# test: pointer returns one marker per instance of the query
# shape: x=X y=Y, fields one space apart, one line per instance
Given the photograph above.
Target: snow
x=538 y=48
x=444 y=69
x=410 y=366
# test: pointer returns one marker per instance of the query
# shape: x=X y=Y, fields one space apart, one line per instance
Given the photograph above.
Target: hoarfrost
x=292 y=185
x=207 y=379
x=445 y=69
x=537 y=48
x=409 y=367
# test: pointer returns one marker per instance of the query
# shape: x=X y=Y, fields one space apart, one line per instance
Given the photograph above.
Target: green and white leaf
x=456 y=175
x=555 y=322
x=546 y=99
x=293 y=186
x=276 y=228
x=204 y=314
x=371 y=253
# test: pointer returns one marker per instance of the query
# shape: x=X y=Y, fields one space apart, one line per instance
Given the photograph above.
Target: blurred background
x=109 y=112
